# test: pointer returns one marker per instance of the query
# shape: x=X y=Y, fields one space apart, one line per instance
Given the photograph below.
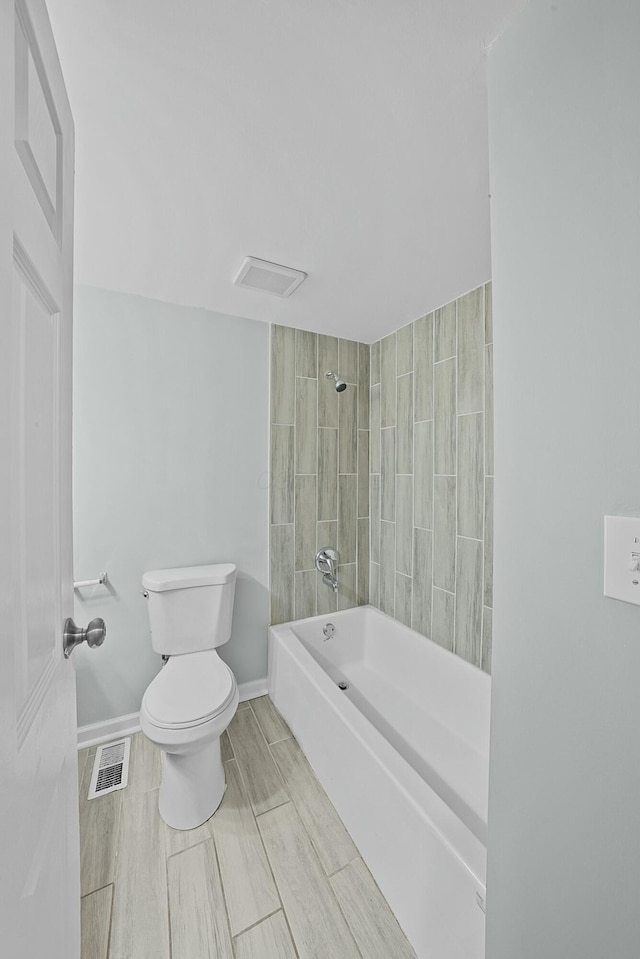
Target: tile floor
x=272 y=875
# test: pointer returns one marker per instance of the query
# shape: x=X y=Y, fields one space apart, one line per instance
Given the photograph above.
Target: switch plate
x=622 y=558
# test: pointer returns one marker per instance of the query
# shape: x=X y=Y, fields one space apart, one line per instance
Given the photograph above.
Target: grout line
x=278 y=806
x=257 y=923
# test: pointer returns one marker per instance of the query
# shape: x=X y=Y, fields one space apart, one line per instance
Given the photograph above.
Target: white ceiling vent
x=268 y=277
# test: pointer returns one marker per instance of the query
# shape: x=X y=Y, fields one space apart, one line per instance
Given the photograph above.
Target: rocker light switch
x=622 y=558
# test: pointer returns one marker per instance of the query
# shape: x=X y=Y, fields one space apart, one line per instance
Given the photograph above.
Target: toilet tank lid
x=183 y=577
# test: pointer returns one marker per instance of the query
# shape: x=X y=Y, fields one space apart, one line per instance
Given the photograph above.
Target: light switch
x=622 y=558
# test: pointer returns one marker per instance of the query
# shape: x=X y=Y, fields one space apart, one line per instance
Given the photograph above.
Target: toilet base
x=192 y=786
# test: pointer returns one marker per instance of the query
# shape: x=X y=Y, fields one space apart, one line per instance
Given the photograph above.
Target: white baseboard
x=96 y=733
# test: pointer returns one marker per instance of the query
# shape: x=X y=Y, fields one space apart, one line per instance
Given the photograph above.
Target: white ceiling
x=345 y=138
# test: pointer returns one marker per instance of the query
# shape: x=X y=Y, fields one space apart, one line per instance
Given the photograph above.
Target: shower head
x=340 y=384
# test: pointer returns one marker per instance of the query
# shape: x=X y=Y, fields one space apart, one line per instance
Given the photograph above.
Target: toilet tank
x=190 y=607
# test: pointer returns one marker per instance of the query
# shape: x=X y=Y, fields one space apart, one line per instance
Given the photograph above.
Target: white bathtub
x=403 y=754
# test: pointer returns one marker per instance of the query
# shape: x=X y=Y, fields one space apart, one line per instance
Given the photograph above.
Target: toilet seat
x=190 y=690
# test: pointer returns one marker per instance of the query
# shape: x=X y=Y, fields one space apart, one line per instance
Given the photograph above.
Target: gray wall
x=319 y=471
x=432 y=475
x=170 y=469
x=564 y=810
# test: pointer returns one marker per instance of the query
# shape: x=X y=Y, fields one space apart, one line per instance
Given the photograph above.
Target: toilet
x=194 y=697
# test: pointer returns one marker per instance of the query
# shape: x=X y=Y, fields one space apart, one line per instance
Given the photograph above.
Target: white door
x=39 y=860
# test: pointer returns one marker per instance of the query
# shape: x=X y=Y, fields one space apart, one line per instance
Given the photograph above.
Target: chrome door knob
x=94 y=635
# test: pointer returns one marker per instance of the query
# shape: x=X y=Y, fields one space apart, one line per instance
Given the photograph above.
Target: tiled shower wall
x=319 y=475
x=432 y=475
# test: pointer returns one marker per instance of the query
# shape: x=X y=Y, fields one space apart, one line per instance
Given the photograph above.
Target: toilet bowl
x=194 y=697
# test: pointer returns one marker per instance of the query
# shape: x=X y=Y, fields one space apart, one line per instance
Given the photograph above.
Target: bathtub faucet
x=331 y=581
x=327 y=560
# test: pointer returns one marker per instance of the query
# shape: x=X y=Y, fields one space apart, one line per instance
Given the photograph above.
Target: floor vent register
x=110 y=768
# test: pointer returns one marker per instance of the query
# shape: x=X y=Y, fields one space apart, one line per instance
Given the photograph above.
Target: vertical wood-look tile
x=402 y=610
x=249 y=889
x=404 y=347
x=404 y=424
x=145 y=769
x=423 y=474
x=305 y=593
x=318 y=927
x=363 y=472
x=348 y=430
x=387 y=575
x=363 y=562
x=348 y=360
x=444 y=332
x=364 y=376
x=140 y=925
x=442 y=618
x=388 y=475
x=488 y=541
x=281 y=562
x=374 y=545
x=327 y=474
x=332 y=842
x=374 y=927
x=388 y=381
x=327 y=396
x=375 y=363
x=374 y=580
x=199 y=928
x=306 y=425
x=470 y=475
x=95 y=915
x=488 y=409
x=488 y=313
x=347 y=517
x=305 y=525
x=327 y=534
x=326 y=599
x=471 y=351
x=269 y=719
x=348 y=590
x=468 y=638
x=306 y=354
x=487 y=637
x=422 y=579
x=423 y=368
x=99 y=824
x=177 y=840
x=270 y=939
x=282 y=463
x=262 y=780
x=444 y=426
x=283 y=396
x=404 y=524
x=375 y=429
x=444 y=532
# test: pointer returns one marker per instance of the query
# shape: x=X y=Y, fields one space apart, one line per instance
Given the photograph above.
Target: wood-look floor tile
x=269 y=719
x=261 y=777
x=374 y=927
x=332 y=842
x=318 y=927
x=270 y=939
x=140 y=925
x=145 y=764
x=246 y=877
x=199 y=928
x=226 y=749
x=96 y=919
x=177 y=840
x=99 y=821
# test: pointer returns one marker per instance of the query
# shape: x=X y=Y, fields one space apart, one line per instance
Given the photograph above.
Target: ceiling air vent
x=110 y=769
x=268 y=277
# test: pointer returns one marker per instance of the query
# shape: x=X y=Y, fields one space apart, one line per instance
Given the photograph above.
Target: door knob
x=95 y=635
